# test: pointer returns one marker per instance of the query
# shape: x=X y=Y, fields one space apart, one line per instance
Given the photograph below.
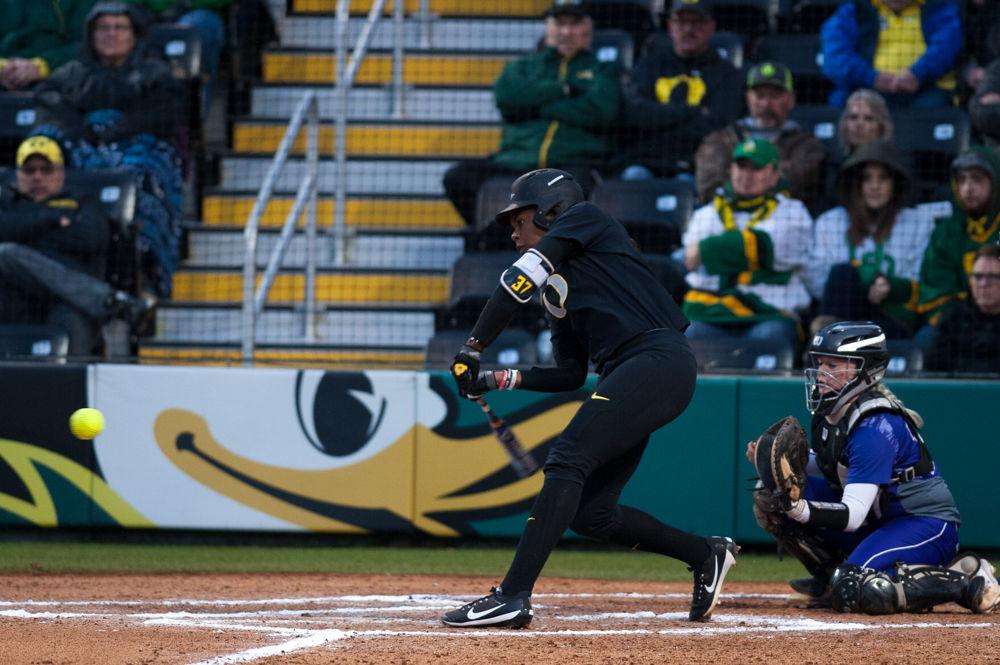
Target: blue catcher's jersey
x=880 y=447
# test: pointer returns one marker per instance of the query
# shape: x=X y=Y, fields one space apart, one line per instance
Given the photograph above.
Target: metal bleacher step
x=386 y=213
x=439 y=34
x=383 y=328
x=482 y=8
x=425 y=288
x=370 y=104
x=444 y=69
x=223 y=247
x=208 y=355
x=364 y=177
x=374 y=140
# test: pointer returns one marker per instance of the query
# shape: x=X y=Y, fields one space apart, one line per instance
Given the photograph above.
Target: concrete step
x=207 y=355
x=484 y=34
x=224 y=249
x=367 y=104
x=520 y=8
x=208 y=285
x=382 y=329
x=364 y=177
x=391 y=140
x=418 y=69
x=417 y=214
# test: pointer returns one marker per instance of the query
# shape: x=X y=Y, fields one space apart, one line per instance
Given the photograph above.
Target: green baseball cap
x=771 y=73
x=758 y=151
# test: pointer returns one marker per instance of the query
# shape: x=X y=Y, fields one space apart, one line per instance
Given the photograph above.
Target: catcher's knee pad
x=857 y=589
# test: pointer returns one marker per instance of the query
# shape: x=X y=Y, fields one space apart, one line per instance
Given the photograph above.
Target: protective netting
x=645 y=102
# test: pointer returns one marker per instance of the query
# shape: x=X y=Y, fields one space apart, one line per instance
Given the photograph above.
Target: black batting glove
x=465 y=370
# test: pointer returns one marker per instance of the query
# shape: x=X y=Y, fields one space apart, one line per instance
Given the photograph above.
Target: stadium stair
x=379 y=308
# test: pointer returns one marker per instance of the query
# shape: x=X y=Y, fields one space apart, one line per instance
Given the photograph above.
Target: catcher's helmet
x=545 y=190
x=860 y=341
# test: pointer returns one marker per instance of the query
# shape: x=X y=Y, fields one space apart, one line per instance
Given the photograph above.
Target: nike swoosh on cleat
x=715 y=576
x=596 y=396
x=473 y=615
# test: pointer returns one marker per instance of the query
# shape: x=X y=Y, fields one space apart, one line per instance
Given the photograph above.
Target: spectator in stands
x=745 y=252
x=678 y=92
x=115 y=107
x=558 y=105
x=865 y=118
x=982 y=39
x=206 y=18
x=975 y=221
x=905 y=49
x=38 y=37
x=53 y=252
x=866 y=253
x=968 y=337
x=984 y=107
x=770 y=97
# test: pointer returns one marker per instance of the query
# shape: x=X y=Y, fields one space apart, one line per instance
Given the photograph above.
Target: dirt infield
x=320 y=619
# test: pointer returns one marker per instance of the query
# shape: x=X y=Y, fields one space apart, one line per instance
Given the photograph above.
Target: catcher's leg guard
x=819 y=557
x=857 y=589
x=908 y=589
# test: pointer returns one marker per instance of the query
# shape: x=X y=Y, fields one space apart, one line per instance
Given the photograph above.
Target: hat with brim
x=41 y=146
x=771 y=73
x=564 y=7
x=758 y=151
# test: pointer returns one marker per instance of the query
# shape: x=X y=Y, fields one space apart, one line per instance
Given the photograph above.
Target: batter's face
x=523 y=231
x=833 y=372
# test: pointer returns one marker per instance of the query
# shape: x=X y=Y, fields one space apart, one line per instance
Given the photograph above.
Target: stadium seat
x=905 y=358
x=933 y=138
x=729 y=45
x=23 y=340
x=806 y=17
x=639 y=18
x=654 y=211
x=747 y=354
x=614 y=45
x=752 y=18
x=669 y=273
x=820 y=120
x=513 y=348
x=17 y=117
x=116 y=189
x=492 y=196
x=179 y=45
x=473 y=279
x=803 y=55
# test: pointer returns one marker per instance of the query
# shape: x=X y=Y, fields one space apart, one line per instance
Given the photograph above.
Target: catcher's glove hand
x=781 y=456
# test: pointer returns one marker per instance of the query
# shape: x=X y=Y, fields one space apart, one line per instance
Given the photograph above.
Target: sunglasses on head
x=47 y=169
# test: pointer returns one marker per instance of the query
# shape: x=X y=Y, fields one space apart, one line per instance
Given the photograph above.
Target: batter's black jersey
x=604 y=292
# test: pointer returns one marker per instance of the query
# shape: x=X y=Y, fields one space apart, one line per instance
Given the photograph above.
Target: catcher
x=866 y=511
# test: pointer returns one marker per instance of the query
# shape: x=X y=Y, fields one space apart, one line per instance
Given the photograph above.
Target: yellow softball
x=86 y=423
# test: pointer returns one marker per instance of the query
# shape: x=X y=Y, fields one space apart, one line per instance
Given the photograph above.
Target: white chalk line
x=299 y=637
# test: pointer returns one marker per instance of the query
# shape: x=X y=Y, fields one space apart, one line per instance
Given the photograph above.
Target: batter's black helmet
x=860 y=341
x=545 y=190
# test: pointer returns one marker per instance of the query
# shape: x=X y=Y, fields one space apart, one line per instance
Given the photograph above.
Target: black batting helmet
x=859 y=341
x=545 y=190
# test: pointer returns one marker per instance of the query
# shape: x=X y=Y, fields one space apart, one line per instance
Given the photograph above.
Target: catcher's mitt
x=781 y=457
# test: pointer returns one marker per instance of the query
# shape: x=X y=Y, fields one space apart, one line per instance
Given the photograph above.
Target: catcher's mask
x=862 y=342
x=544 y=189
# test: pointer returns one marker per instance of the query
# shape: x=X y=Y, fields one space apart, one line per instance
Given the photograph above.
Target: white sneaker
x=988 y=597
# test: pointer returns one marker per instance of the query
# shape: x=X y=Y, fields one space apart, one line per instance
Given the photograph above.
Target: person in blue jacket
x=905 y=49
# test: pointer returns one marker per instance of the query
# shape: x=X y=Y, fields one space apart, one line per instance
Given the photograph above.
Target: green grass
x=435 y=559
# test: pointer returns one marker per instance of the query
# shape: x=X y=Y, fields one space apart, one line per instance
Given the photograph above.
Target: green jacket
x=944 y=273
x=546 y=127
x=47 y=29
x=160 y=6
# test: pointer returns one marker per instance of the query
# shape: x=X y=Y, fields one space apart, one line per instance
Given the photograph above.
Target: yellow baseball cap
x=42 y=146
